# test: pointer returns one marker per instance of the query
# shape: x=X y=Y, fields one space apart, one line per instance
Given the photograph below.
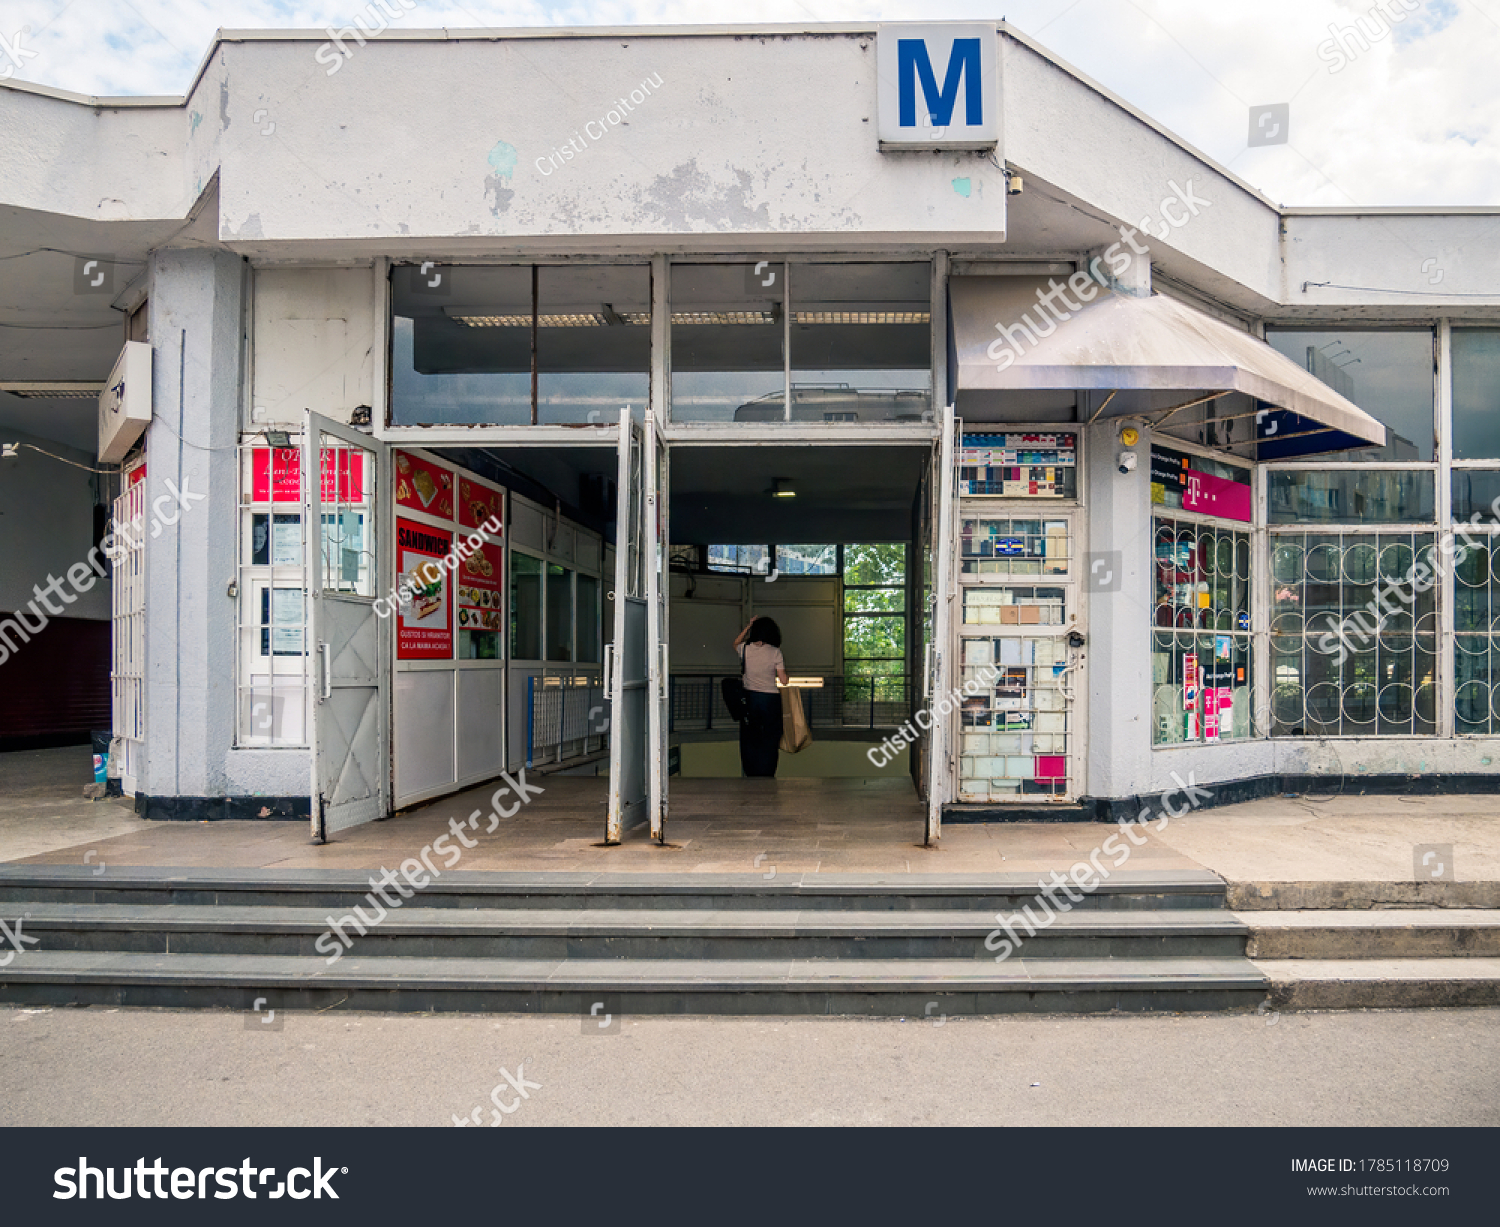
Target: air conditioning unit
x=125 y=403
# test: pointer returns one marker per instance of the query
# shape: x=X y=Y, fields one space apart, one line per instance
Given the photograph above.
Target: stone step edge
x=253 y=974
x=1360 y=895
x=1345 y=984
x=169 y=878
x=665 y=923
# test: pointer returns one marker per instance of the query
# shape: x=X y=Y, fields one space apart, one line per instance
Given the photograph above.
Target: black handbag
x=733 y=690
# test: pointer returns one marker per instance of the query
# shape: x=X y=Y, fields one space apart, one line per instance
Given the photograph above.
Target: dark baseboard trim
x=223 y=809
x=1231 y=792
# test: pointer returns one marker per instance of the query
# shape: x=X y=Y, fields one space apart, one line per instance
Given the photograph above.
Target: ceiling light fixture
x=783 y=489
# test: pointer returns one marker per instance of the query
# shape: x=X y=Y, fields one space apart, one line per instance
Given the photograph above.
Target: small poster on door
x=423 y=486
x=424 y=625
x=479 y=590
x=479 y=505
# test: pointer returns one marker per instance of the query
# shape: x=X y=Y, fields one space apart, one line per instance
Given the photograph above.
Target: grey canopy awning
x=1153 y=354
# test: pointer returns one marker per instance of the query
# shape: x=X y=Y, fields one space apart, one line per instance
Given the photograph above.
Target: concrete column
x=1117 y=578
x=191 y=521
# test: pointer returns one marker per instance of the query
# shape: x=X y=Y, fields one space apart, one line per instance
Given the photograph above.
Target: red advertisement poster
x=479 y=504
x=424 y=624
x=423 y=486
x=276 y=475
x=1211 y=713
x=480 y=592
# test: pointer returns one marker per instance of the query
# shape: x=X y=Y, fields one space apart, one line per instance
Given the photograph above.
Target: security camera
x=1126 y=462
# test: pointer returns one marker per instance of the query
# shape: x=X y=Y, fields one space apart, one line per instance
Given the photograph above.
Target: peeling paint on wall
x=502 y=160
x=962 y=187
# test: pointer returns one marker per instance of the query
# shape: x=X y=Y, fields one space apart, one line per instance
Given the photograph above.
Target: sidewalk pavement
x=789 y=826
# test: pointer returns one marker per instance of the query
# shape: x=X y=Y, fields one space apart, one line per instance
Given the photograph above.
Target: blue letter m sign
x=912 y=62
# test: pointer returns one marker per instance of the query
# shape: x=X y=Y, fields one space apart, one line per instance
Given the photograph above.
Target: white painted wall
x=314 y=342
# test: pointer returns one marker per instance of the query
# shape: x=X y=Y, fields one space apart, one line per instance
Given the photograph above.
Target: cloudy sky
x=1400 y=110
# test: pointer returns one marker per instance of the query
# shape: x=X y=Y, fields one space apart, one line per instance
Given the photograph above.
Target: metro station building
x=1042 y=436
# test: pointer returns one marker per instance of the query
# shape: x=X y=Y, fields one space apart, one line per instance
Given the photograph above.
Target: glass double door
x=1020 y=654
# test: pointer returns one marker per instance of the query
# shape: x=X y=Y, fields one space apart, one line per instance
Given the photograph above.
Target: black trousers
x=760 y=734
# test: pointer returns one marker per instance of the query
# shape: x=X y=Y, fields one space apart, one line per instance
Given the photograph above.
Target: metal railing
x=840 y=702
x=564 y=720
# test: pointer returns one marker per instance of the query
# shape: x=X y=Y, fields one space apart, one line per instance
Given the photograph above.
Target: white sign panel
x=125 y=403
x=939 y=86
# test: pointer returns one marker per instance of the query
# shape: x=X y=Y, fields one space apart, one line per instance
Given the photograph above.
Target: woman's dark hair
x=764 y=630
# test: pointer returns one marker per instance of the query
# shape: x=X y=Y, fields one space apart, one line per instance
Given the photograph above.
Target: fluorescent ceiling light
x=724 y=317
x=861 y=317
x=57 y=390
x=783 y=489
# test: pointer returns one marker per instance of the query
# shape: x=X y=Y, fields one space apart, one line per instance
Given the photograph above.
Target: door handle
x=609 y=671
x=326 y=655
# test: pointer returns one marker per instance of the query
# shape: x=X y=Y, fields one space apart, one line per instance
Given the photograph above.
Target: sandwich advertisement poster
x=423 y=486
x=424 y=624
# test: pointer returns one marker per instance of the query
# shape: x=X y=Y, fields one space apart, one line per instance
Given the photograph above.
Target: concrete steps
x=1391 y=957
x=624 y=943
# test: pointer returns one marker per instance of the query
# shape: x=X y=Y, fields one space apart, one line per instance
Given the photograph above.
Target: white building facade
x=565 y=319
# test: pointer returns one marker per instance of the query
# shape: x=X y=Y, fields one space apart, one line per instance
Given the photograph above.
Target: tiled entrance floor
x=716 y=826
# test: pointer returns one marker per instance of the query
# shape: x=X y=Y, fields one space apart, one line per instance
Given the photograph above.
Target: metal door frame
x=630 y=563
x=655 y=466
x=320 y=682
x=943 y=764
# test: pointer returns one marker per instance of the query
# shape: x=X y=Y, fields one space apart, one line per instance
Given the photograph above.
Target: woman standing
x=759 y=646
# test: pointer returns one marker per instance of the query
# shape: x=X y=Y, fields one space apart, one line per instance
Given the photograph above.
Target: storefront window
x=743 y=559
x=861 y=337
x=593 y=342
x=1388 y=374
x=1354 y=633
x=462 y=353
x=727 y=327
x=1201 y=670
x=525 y=607
x=559 y=613
x=1476 y=394
x=807 y=559
x=588 y=620
x=1351 y=496
x=1476 y=623
x=874 y=610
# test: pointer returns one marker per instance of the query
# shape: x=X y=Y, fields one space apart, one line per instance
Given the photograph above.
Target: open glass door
x=940 y=653
x=657 y=594
x=349 y=695
x=626 y=666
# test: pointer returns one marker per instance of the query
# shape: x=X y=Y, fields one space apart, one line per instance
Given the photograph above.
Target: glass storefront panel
x=1388 y=374
x=1354 y=634
x=1476 y=394
x=559 y=613
x=727 y=326
x=525 y=607
x=461 y=348
x=1352 y=496
x=1202 y=673
x=861 y=342
x=588 y=620
x=1014 y=725
x=593 y=342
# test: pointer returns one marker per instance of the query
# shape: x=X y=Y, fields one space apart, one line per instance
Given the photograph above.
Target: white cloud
x=1409 y=120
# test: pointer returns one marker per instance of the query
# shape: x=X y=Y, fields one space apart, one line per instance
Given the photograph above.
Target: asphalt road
x=98 y=1066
